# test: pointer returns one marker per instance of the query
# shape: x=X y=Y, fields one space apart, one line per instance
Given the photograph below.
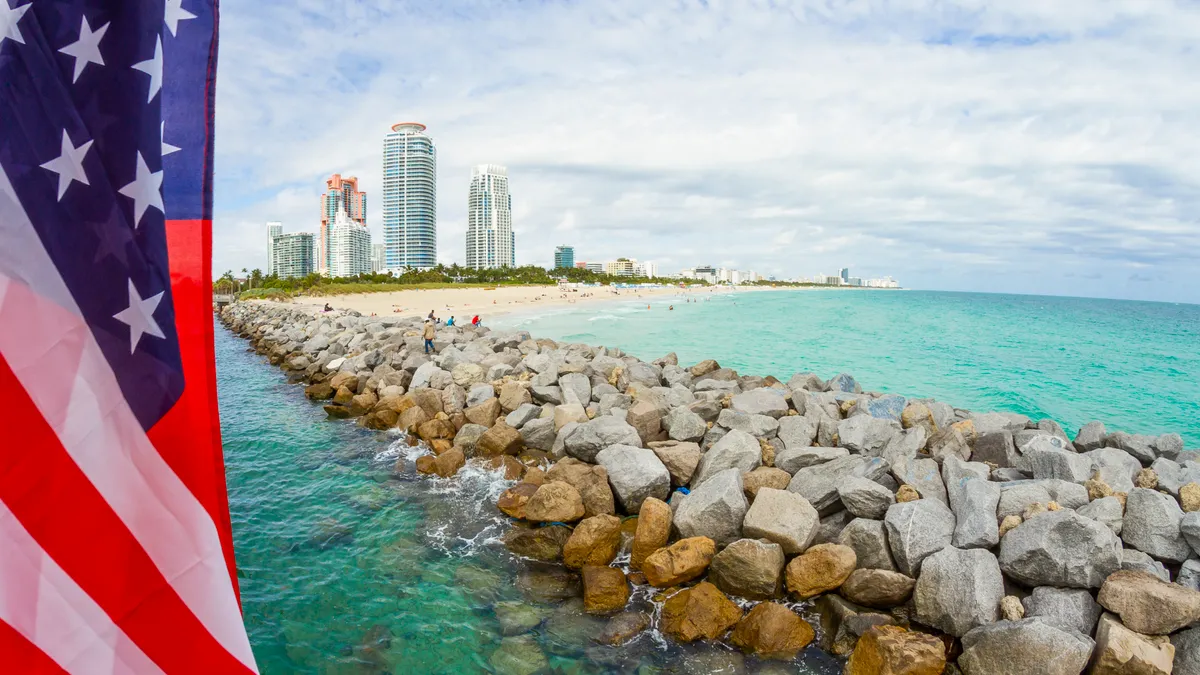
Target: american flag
x=115 y=546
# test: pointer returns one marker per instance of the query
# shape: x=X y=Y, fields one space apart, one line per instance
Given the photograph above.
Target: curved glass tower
x=409 y=197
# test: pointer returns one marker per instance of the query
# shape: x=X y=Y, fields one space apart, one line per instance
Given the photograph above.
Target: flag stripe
x=22 y=656
x=43 y=605
x=101 y=434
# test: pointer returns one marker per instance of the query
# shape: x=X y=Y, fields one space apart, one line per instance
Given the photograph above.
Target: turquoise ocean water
x=347 y=568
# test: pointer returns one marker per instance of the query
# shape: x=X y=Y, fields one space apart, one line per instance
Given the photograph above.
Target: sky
x=1021 y=146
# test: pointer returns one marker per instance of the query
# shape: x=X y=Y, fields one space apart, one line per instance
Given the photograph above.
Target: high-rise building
x=564 y=256
x=274 y=229
x=490 y=236
x=292 y=255
x=621 y=267
x=409 y=197
x=844 y=274
x=341 y=194
x=349 y=247
x=594 y=267
x=378 y=258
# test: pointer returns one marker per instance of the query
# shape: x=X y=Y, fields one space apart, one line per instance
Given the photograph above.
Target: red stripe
x=18 y=655
x=72 y=522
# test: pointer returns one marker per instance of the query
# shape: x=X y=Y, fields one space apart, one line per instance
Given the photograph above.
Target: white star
x=86 y=49
x=9 y=17
x=153 y=68
x=68 y=165
x=139 y=316
x=174 y=14
x=167 y=148
x=145 y=190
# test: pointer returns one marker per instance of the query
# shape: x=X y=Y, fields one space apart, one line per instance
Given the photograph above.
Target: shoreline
x=874 y=502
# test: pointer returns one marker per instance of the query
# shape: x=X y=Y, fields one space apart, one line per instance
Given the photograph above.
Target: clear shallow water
x=1133 y=365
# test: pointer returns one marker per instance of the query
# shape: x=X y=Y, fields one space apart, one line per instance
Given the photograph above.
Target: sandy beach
x=489 y=303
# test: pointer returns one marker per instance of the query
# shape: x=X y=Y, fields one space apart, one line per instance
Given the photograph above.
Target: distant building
x=844 y=275
x=341 y=194
x=853 y=281
x=581 y=265
x=489 y=219
x=349 y=247
x=647 y=269
x=594 y=267
x=378 y=258
x=564 y=256
x=292 y=255
x=409 y=197
x=274 y=229
x=621 y=267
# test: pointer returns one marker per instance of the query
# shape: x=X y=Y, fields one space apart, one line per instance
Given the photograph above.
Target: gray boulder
x=1015 y=497
x=975 y=513
x=1107 y=511
x=715 y=509
x=865 y=498
x=997 y=448
x=1116 y=467
x=547 y=394
x=524 y=412
x=684 y=425
x=763 y=401
x=924 y=475
x=797 y=432
x=916 y=530
x=1048 y=457
x=539 y=434
x=1141 y=447
x=843 y=382
x=1067 y=608
x=1151 y=525
x=1169 y=445
x=479 y=393
x=792 y=459
x=1134 y=560
x=783 y=517
x=818 y=484
x=1090 y=437
x=1187 y=651
x=1172 y=476
x=1060 y=548
x=992 y=422
x=576 y=388
x=759 y=426
x=869 y=540
x=956 y=473
x=1025 y=647
x=634 y=474
x=737 y=449
x=867 y=435
x=591 y=437
x=887 y=407
x=959 y=590
x=1189 y=527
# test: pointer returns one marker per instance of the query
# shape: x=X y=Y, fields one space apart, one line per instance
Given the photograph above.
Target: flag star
x=145 y=190
x=174 y=14
x=86 y=49
x=139 y=316
x=153 y=68
x=9 y=18
x=167 y=148
x=68 y=165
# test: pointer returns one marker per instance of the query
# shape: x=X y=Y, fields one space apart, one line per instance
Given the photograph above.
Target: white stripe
x=43 y=604
x=88 y=411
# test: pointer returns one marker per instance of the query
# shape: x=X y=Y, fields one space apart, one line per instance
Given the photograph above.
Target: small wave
x=605 y=317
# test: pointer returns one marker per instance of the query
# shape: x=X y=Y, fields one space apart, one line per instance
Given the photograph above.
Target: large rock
x=783 y=517
x=1147 y=604
x=1189 y=527
x=1187 y=651
x=554 y=503
x=772 y=631
x=1051 y=457
x=1151 y=525
x=1120 y=651
x=976 y=515
x=1108 y=511
x=868 y=538
x=1141 y=447
x=715 y=509
x=605 y=590
x=842 y=623
x=684 y=425
x=1090 y=437
x=916 y=530
x=589 y=439
x=1023 y=648
x=539 y=434
x=501 y=439
x=1136 y=561
x=518 y=655
x=958 y=590
x=1067 y=608
x=892 y=650
x=653 y=531
x=866 y=435
x=576 y=388
x=1016 y=497
x=591 y=482
x=877 y=588
x=843 y=382
x=797 y=432
x=924 y=476
x=645 y=417
x=1060 y=548
x=865 y=498
x=702 y=611
x=748 y=568
x=792 y=459
x=635 y=474
x=818 y=484
x=541 y=543
x=765 y=476
x=736 y=449
x=821 y=568
x=765 y=401
x=680 y=562
x=759 y=426
x=681 y=460
x=595 y=541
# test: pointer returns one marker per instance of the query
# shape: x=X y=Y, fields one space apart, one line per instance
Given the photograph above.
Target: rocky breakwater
x=917 y=537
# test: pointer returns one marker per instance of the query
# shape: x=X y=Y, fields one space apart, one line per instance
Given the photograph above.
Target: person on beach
x=328 y=308
x=475 y=321
x=428 y=335
x=430 y=317
x=451 y=321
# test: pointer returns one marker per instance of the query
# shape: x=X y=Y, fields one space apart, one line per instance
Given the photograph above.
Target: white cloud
x=1024 y=146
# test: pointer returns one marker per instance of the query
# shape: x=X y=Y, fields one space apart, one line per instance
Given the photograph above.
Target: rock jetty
x=919 y=537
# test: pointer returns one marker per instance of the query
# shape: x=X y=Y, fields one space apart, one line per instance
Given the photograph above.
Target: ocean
x=347 y=566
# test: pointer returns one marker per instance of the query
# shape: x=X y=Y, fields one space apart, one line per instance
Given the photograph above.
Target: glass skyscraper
x=409 y=197
x=564 y=256
x=490 y=236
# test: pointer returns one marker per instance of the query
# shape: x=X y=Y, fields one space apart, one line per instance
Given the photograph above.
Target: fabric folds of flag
x=115 y=548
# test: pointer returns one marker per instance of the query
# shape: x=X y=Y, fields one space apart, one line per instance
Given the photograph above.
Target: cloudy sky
x=1026 y=146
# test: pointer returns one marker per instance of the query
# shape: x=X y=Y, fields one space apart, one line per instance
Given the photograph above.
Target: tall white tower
x=490 y=240
x=274 y=229
x=409 y=197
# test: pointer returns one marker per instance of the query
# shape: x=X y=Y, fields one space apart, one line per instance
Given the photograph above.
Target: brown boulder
x=536 y=476
x=512 y=468
x=605 y=589
x=590 y=480
x=892 y=650
x=680 y=562
x=322 y=391
x=426 y=465
x=344 y=379
x=501 y=439
x=343 y=396
x=430 y=400
x=765 y=476
x=396 y=404
x=379 y=420
x=512 y=502
x=877 y=588
x=1147 y=604
x=595 y=541
x=653 y=531
x=704 y=367
x=337 y=412
x=1120 y=651
x=623 y=627
x=645 y=418
x=749 y=568
x=412 y=418
x=539 y=543
x=821 y=568
x=554 y=503
x=483 y=414
x=448 y=463
x=702 y=611
x=361 y=404
x=436 y=429
x=681 y=459
x=772 y=631
x=513 y=394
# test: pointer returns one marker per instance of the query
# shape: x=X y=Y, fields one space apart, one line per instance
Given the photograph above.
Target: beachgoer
x=430 y=315
x=450 y=322
x=475 y=321
x=671 y=308
x=328 y=308
x=428 y=334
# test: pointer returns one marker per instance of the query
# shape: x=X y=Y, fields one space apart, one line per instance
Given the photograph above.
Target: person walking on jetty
x=428 y=334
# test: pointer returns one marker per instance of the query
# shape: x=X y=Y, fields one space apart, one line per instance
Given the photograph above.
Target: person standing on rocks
x=428 y=334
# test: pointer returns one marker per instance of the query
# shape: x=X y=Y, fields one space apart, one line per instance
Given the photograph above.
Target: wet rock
x=328 y=533
x=591 y=481
x=680 y=562
x=589 y=439
x=635 y=474
x=821 y=568
x=782 y=517
x=702 y=611
x=1151 y=525
x=623 y=627
x=1060 y=548
x=448 y=463
x=715 y=509
x=501 y=439
x=748 y=568
x=595 y=541
x=877 y=588
x=540 y=543
x=892 y=650
x=605 y=589
x=772 y=631
x=653 y=531
x=915 y=530
x=842 y=623
x=681 y=459
x=865 y=498
x=736 y=449
x=554 y=502
x=518 y=655
x=548 y=583
x=1147 y=604
x=1071 y=609
x=868 y=538
x=959 y=590
x=1120 y=651
x=517 y=617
